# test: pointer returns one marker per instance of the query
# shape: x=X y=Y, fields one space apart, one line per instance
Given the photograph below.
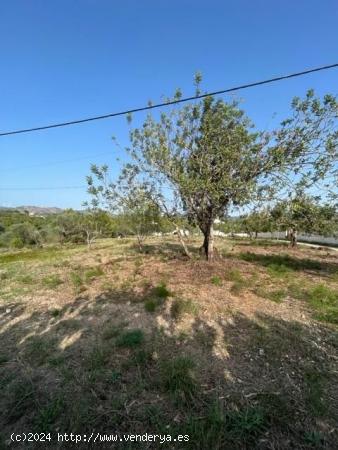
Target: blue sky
x=71 y=59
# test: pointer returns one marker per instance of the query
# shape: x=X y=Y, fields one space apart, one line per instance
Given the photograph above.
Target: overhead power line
x=172 y=102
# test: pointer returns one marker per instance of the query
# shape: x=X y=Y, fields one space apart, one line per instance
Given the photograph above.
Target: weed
x=112 y=331
x=178 y=377
x=38 y=350
x=151 y=304
x=52 y=281
x=161 y=291
x=93 y=273
x=234 y=275
x=238 y=286
x=314 y=439
x=296 y=291
x=180 y=307
x=55 y=312
x=142 y=357
x=216 y=280
x=48 y=415
x=76 y=279
x=276 y=296
x=315 y=381
x=20 y=399
x=239 y=283
x=25 y=279
x=96 y=359
x=246 y=424
x=114 y=376
x=130 y=338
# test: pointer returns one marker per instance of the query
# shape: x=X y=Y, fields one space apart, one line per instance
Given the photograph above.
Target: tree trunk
x=139 y=241
x=208 y=243
x=186 y=251
x=292 y=237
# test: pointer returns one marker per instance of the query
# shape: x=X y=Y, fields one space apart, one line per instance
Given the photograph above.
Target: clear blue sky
x=65 y=60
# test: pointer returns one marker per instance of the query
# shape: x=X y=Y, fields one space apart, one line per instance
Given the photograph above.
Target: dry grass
x=240 y=353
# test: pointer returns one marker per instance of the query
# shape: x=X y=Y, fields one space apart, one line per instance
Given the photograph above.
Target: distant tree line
x=18 y=230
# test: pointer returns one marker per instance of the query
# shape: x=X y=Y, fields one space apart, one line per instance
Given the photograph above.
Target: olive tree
x=306 y=214
x=128 y=198
x=206 y=156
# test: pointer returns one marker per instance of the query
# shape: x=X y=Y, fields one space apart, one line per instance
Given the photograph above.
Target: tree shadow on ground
x=105 y=365
x=290 y=262
x=170 y=250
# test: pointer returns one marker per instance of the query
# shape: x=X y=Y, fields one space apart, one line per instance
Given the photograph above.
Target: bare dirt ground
x=238 y=353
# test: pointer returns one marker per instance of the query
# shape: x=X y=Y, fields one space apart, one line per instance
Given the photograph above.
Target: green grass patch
x=28 y=255
x=111 y=331
x=178 y=378
x=216 y=280
x=234 y=275
x=38 y=350
x=93 y=273
x=76 y=279
x=278 y=270
x=228 y=429
x=52 y=281
x=26 y=279
x=161 y=291
x=151 y=304
x=238 y=286
x=325 y=302
x=315 y=389
x=96 y=358
x=48 y=415
x=55 y=312
x=130 y=338
x=239 y=282
x=275 y=295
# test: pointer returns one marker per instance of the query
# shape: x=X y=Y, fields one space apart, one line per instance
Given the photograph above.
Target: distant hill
x=34 y=210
